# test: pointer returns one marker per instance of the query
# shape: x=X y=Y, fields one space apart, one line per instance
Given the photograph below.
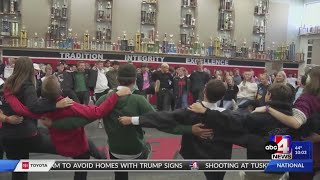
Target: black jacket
x=176 y=85
x=66 y=80
x=192 y=147
x=231 y=93
x=28 y=127
x=198 y=80
x=252 y=130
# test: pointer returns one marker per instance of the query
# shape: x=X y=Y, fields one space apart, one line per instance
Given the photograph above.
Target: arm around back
x=35 y=104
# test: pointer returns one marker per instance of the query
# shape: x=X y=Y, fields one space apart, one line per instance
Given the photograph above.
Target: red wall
x=189 y=67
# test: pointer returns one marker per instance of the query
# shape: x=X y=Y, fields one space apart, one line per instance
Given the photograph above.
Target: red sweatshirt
x=72 y=142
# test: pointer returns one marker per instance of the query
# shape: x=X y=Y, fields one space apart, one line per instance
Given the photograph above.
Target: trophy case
x=10 y=22
x=188 y=22
x=260 y=27
x=103 y=25
x=57 y=34
x=225 y=29
x=148 y=25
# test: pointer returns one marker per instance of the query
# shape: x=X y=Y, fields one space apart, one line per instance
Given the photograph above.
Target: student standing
x=81 y=83
x=66 y=82
x=165 y=81
x=181 y=87
x=100 y=80
x=198 y=80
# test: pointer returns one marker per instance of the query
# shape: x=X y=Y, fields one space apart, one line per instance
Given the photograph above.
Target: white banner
x=34 y=165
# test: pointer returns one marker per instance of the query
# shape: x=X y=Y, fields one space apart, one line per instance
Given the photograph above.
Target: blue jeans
x=182 y=102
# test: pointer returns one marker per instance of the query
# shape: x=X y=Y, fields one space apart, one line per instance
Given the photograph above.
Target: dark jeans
x=182 y=102
x=197 y=95
x=164 y=100
x=17 y=149
x=83 y=97
x=98 y=95
x=124 y=175
x=214 y=175
x=81 y=175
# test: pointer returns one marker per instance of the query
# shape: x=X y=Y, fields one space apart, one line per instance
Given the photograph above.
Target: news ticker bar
x=156 y=165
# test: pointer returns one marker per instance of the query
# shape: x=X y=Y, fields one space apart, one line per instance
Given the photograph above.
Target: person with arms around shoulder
x=21 y=139
x=197 y=144
x=305 y=107
x=253 y=130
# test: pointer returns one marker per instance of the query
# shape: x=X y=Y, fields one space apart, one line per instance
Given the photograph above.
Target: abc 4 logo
x=281 y=144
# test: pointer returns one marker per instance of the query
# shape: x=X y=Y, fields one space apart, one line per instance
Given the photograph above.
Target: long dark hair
x=23 y=72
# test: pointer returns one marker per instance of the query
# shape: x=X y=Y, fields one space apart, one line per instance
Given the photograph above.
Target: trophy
x=99 y=34
x=131 y=45
x=197 y=46
x=35 y=40
x=183 y=37
x=221 y=20
x=48 y=38
x=157 y=43
x=58 y=10
x=118 y=44
x=193 y=3
x=261 y=43
x=86 y=40
x=53 y=9
x=185 y=3
x=228 y=5
x=93 y=44
x=100 y=12
x=165 y=44
x=14 y=27
x=23 y=37
x=69 y=42
x=210 y=48
x=15 y=5
x=11 y=7
x=171 y=48
x=124 y=42
x=5 y=27
x=138 y=41
x=244 y=49
x=108 y=34
x=64 y=10
x=188 y=18
x=260 y=8
x=292 y=51
x=109 y=5
x=217 y=46
x=143 y=15
x=109 y=11
x=262 y=26
x=233 y=48
x=76 y=44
